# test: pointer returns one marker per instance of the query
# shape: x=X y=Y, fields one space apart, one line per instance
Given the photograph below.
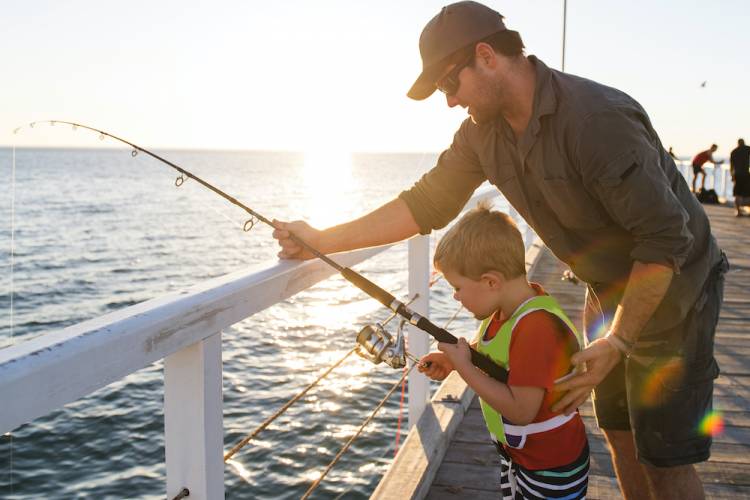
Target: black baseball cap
x=456 y=26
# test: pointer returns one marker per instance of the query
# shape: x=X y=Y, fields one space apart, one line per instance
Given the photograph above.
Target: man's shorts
x=664 y=390
x=697 y=169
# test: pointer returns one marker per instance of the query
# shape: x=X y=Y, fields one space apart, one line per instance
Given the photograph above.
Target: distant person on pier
x=525 y=331
x=582 y=164
x=672 y=154
x=739 y=164
x=699 y=160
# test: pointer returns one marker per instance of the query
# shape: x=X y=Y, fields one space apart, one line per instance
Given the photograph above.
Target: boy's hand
x=458 y=354
x=435 y=365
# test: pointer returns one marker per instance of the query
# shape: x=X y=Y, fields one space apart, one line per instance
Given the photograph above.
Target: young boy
x=523 y=329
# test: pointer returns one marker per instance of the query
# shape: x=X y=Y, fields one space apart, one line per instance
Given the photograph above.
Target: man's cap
x=456 y=26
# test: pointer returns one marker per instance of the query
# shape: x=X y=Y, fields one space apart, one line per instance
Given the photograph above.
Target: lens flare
x=712 y=424
x=597 y=329
x=668 y=373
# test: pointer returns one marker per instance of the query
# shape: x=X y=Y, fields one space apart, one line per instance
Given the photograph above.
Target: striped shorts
x=568 y=482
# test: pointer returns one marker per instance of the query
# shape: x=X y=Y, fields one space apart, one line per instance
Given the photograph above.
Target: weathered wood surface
x=470 y=464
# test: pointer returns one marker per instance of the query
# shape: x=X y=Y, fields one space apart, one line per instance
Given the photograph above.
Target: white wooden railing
x=40 y=375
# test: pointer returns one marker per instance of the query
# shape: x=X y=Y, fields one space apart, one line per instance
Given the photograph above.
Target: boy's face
x=475 y=296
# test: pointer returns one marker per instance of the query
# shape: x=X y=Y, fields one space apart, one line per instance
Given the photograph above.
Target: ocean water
x=97 y=230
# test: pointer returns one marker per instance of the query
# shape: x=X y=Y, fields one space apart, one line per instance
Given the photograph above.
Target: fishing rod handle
x=370 y=289
x=477 y=359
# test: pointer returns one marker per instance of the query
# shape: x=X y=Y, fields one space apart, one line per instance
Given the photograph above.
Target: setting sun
x=327 y=175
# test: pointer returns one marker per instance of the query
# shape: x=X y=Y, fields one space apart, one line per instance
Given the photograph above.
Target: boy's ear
x=493 y=279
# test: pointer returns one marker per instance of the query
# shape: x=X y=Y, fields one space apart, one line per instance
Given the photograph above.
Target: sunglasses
x=450 y=83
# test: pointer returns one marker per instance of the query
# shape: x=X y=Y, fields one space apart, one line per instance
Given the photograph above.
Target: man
x=585 y=168
x=699 y=160
x=739 y=161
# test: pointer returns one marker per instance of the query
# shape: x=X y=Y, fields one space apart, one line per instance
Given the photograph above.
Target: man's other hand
x=599 y=358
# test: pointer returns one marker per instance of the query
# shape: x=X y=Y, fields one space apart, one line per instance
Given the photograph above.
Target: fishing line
x=206 y=204
x=484 y=363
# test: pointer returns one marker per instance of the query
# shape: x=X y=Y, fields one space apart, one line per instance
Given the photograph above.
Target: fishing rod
x=480 y=361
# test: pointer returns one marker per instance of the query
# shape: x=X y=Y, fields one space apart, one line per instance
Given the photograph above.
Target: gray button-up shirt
x=591 y=177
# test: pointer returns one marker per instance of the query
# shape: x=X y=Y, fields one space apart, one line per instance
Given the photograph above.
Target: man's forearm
x=390 y=223
x=647 y=285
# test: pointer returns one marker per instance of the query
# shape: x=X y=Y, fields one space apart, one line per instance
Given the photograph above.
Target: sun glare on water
x=327 y=175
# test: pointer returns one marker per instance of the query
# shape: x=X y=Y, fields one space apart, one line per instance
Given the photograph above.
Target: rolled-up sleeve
x=622 y=166
x=439 y=195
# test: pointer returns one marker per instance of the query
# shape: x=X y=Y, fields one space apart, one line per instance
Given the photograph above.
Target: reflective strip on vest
x=498 y=349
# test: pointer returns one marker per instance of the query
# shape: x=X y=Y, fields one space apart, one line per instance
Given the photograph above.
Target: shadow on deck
x=470 y=462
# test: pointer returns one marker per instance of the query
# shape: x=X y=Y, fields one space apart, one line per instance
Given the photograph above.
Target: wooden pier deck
x=470 y=461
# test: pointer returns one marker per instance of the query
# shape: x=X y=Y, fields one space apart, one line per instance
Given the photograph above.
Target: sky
x=331 y=75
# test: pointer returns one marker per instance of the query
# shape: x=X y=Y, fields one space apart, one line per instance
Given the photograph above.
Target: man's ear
x=485 y=53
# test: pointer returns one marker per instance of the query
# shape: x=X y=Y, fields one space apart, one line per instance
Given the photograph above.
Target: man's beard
x=489 y=108
x=481 y=117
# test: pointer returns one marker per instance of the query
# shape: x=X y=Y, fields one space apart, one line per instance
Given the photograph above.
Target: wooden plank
x=412 y=471
x=456 y=492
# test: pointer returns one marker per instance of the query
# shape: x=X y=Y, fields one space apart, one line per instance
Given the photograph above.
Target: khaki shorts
x=664 y=390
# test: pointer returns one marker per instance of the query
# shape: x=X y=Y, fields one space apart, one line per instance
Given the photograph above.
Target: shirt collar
x=545 y=103
x=545 y=99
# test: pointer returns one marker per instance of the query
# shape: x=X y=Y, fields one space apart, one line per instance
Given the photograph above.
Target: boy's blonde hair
x=483 y=240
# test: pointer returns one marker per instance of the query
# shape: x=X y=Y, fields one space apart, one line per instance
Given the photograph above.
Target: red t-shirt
x=540 y=351
x=702 y=158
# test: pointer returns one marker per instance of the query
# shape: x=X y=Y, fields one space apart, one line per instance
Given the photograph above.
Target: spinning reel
x=375 y=344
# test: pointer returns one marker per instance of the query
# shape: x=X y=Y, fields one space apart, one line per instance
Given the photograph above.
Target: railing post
x=193 y=430
x=727 y=184
x=419 y=342
x=715 y=175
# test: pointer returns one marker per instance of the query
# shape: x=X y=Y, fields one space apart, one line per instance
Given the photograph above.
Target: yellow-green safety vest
x=498 y=349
